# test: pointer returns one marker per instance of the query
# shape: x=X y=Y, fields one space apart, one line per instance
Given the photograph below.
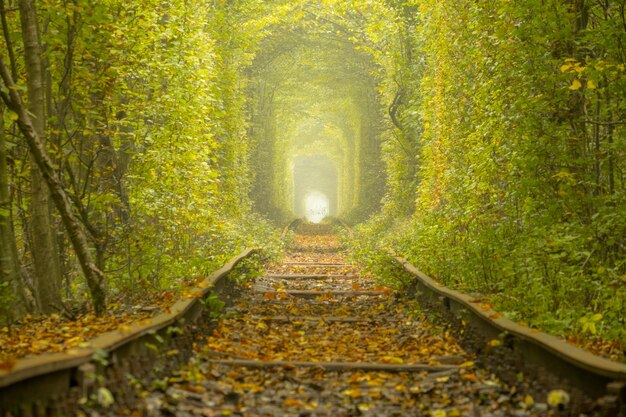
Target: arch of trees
x=487 y=136
x=314 y=94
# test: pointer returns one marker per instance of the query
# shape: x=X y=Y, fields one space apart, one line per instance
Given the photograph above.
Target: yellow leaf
x=124 y=328
x=566 y=67
x=591 y=85
x=438 y=413
x=494 y=342
x=576 y=84
x=392 y=359
x=354 y=393
x=557 y=398
x=443 y=379
x=375 y=382
x=528 y=400
x=363 y=407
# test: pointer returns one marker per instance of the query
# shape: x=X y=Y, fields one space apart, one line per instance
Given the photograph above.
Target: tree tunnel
x=315 y=125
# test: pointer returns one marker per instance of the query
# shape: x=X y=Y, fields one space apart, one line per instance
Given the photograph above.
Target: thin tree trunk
x=597 y=153
x=610 y=127
x=44 y=247
x=93 y=275
x=9 y=269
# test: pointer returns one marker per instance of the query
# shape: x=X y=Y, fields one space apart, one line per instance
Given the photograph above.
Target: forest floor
x=316 y=337
x=34 y=335
x=60 y=332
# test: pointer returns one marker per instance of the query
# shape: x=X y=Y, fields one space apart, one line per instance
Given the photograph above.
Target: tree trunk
x=44 y=245
x=9 y=268
x=93 y=275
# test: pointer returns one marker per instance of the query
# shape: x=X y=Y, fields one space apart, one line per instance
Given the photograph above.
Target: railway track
x=315 y=336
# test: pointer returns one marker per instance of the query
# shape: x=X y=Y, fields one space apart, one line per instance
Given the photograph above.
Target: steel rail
x=47 y=377
x=536 y=351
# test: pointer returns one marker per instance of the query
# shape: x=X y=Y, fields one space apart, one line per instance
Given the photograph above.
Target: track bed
x=316 y=337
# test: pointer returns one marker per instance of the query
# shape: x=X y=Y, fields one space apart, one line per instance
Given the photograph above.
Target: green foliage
x=101 y=357
x=148 y=125
x=514 y=110
x=214 y=305
x=368 y=245
x=313 y=84
x=588 y=323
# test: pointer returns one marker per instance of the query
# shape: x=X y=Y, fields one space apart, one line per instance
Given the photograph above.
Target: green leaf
x=104 y=397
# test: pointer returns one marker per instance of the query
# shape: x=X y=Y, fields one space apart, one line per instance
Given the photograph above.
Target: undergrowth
x=548 y=279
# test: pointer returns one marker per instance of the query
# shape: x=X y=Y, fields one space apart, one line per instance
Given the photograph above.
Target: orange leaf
x=385 y=290
x=471 y=377
x=292 y=402
x=7 y=365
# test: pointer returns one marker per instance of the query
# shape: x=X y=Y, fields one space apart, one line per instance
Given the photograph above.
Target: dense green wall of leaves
x=515 y=113
x=146 y=119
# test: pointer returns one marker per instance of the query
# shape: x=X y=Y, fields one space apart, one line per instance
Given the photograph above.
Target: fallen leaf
x=494 y=342
x=471 y=377
x=7 y=365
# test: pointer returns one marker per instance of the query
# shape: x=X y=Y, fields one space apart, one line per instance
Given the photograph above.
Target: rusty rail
x=549 y=358
x=34 y=383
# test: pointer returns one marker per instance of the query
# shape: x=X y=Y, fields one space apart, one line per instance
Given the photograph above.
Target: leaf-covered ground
x=320 y=340
x=35 y=335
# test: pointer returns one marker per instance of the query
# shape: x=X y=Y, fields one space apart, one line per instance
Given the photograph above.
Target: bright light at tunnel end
x=316 y=206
